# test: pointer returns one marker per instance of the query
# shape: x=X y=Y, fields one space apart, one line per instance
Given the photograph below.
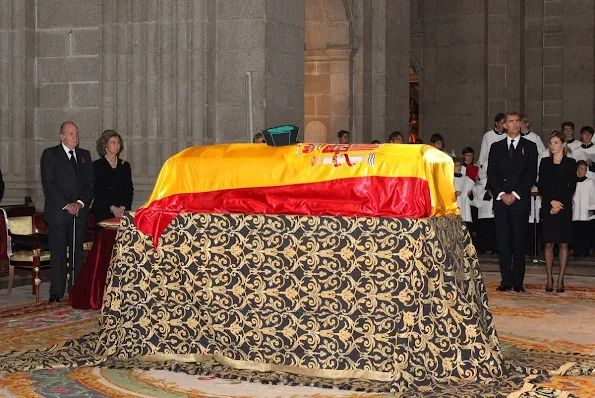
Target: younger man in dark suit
x=512 y=171
x=67 y=180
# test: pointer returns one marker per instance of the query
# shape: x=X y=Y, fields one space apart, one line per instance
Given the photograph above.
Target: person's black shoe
x=503 y=288
x=519 y=289
x=560 y=288
x=54 y=299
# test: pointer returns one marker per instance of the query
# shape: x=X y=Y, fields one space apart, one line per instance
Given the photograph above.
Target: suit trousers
x=60 y=237
x=581 y=241
x=511 y=233
x=486 y=236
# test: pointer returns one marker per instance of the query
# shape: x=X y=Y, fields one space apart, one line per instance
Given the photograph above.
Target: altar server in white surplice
x=568 y=131
x=586 y=151
x=583 y=210
x=531 y=135
x=486 y=229
x=463 y=186
x=494 y=135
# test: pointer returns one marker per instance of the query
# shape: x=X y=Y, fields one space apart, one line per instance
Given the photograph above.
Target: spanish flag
x=387 y=180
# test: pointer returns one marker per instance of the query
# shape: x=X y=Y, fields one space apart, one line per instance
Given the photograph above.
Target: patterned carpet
x=550 y=337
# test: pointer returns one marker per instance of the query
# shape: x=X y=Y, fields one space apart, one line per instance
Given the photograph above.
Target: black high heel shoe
x=560 y=288
x=549 y=287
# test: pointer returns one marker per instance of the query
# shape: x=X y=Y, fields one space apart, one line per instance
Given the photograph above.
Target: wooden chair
x=24 y=244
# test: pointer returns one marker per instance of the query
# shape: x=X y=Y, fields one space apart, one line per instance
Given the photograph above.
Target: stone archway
x=327 y=67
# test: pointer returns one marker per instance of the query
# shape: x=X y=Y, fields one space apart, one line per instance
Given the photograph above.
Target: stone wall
x=168 y=74
x=479 y=58
x=165 y=74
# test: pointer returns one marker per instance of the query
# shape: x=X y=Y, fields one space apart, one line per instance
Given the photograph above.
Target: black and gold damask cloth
x=399 y=301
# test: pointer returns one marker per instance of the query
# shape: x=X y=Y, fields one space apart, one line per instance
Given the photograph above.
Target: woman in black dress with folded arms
x=557 y=182
x=113 y=179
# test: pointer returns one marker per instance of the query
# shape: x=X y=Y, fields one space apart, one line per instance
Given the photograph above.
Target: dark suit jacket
x=517 y=174
x=61 y=185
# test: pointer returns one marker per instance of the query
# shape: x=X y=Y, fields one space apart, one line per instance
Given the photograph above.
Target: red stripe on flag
x=395 y=197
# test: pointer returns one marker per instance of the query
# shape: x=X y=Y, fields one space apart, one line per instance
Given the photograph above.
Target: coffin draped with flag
x=328 y=265
x=399 y=181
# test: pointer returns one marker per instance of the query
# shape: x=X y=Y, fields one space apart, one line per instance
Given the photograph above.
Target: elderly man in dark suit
x=68 y=181
x=512 y=171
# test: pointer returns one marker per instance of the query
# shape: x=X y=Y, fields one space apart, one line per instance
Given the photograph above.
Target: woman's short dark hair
x=435 y=138
x=104 y=138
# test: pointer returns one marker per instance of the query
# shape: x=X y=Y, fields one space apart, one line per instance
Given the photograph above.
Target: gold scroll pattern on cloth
x=385 y=299
x=395 y=300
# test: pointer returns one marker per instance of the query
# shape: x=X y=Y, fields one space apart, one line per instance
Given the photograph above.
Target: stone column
x=454 y=57
x=152 y=81
x=339 y=65
x=533 y=63
x=552 y=62
x=503 y=58
x=386 y=60
x=578 y=102
x=68 y=72
x=17 y=96
x=398 y=60
x=267 y=39
x=317 y=98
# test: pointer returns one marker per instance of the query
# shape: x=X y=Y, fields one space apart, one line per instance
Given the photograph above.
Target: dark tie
x=511 y=149
x=74 y=163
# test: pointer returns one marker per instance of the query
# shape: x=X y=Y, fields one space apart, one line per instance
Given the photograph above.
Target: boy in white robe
x=463 y=186
x=568 y=131
x=486 y=228
x=586 y=151
x=494 y=135
x=583 y=209
x=530 y=135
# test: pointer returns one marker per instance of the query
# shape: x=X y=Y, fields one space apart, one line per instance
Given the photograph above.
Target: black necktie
x=511 y=149
x=74 y=163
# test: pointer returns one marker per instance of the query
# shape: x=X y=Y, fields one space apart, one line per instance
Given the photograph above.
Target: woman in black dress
x=113 y=179
x=557 y=181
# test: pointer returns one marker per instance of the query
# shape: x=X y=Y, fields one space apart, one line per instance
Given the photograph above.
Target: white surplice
x=583 y=200
x=464 y=185
x=486 y=143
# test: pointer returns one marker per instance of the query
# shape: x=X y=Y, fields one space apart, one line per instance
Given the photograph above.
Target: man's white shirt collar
x=68 y=151
x=516 y=141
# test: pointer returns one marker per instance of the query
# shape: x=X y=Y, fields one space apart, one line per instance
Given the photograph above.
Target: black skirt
x=557 y=228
